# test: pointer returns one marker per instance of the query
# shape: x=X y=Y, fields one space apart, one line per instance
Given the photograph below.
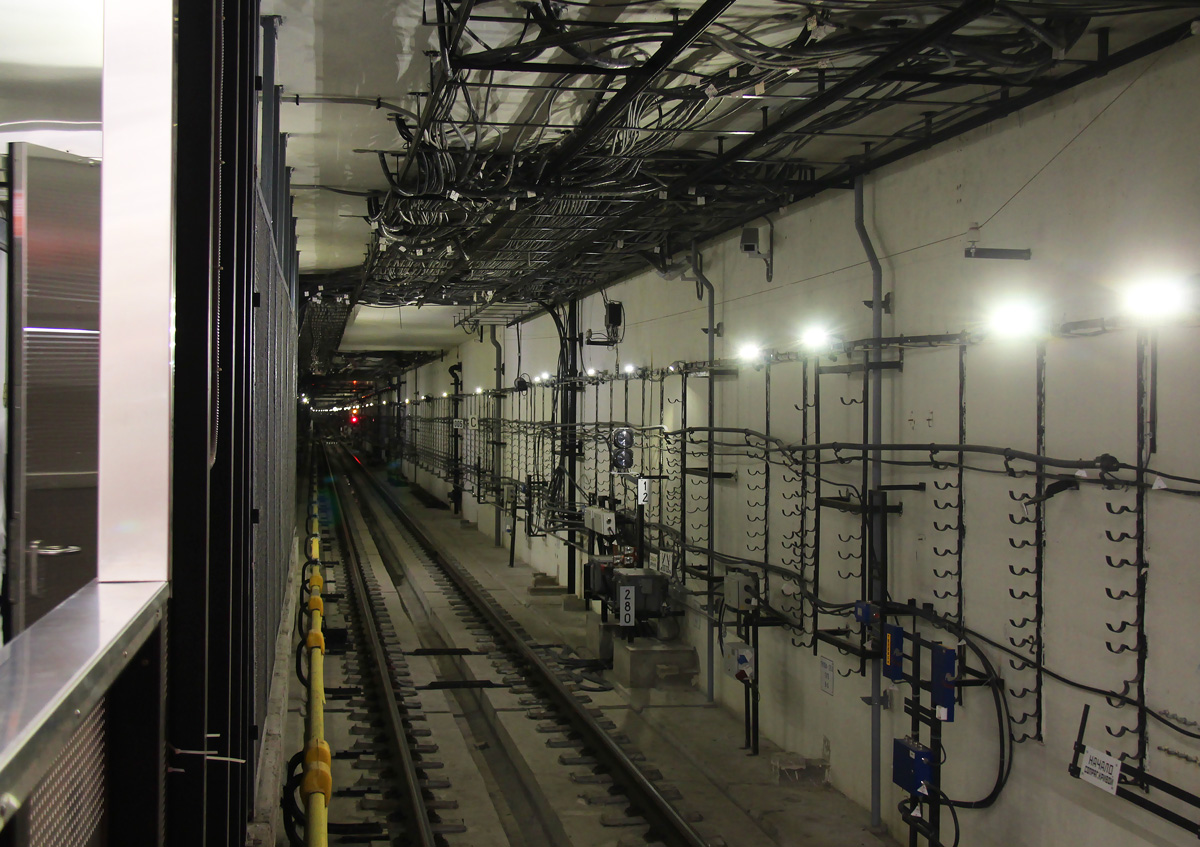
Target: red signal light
x=354 y=419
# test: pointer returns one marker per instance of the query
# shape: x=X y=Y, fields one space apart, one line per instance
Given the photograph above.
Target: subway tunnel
x=599 y=423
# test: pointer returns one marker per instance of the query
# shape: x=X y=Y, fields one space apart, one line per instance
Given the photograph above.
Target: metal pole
x=698 y=270
x=496 y=431
x=455 y=438
x=270 y=110
x=878 y=516
x=570 y=412
x=281 y=181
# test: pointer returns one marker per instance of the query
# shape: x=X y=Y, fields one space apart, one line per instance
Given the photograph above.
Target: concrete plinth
x=599 y=638
x=646 y=663
x=545 y=584
x=572 y=603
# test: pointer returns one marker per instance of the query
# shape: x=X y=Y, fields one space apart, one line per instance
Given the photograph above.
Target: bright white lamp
x=1015 y=319
x=1155 y=300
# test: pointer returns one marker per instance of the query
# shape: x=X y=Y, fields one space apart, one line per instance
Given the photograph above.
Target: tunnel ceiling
x=492 y=155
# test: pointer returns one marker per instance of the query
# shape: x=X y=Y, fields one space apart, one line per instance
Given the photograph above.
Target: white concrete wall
x=1102 y=183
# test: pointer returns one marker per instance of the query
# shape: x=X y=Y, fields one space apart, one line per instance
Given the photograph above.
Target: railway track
x=425 y=628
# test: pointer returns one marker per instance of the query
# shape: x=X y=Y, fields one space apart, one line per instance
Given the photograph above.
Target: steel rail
x=418 y=823
x=665 y=821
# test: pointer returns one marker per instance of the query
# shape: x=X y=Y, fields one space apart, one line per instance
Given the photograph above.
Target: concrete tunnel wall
x=1102 y=184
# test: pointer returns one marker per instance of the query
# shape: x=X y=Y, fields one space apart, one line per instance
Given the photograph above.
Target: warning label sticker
x=1100 y=769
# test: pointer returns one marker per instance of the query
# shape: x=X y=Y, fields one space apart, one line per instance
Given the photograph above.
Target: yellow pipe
x=316 y=832
x=316 y=681
x=316 y=699
x=317 y=784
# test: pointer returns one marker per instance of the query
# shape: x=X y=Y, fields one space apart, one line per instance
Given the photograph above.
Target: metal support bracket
x=884 y=702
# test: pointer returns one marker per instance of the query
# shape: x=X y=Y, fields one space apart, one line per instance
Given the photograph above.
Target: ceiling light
x=1015 y=319
x=478 y=390
x=1154 y=300
x=816 y=338
x=591 y=371
x=406 y=401
x=546 y=375
x=445 y=393
x=749 y=353
x=537 y=379
x=629 y=369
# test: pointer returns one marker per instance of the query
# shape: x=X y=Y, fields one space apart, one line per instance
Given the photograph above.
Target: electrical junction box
x=614 y=315
x=867 y=613
x=942 y=676
x=893 y=652
x=647 y=589
x=600 y=521
x=912 y=765
x=741 y=592
x=739 y=660
x=597 y=576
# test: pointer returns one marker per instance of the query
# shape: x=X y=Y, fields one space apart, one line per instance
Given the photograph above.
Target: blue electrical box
x=943 y=674
x=912 y=765
x=865 y=612
x=893 y=652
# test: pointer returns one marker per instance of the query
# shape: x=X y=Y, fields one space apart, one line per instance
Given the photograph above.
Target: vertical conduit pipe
x=702 y=280
x=456 y=492
x=874 y=374
x=496 y=431
x=568 y=441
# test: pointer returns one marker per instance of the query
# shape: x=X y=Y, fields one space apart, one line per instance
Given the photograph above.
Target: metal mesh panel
x=66 y=808
x=274 y=420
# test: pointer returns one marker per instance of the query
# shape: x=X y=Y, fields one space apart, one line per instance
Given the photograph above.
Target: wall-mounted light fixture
x=1158 y=299
x=817 y=339
x=1016 y=319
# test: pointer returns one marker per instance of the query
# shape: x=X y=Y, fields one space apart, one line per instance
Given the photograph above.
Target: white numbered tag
x=625 y=606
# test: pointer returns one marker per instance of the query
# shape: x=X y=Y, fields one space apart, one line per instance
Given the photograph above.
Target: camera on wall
x=753 y=247
x=750 y=241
